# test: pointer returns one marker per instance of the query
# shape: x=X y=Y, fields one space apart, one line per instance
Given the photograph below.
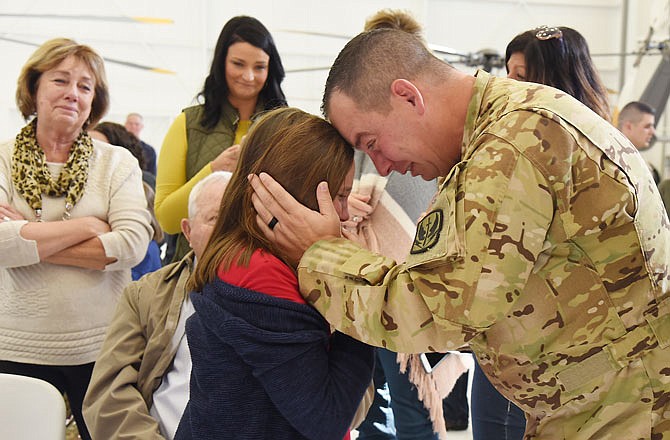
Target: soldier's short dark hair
x=370 y=62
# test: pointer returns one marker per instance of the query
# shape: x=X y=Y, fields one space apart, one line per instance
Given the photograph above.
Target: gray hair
x=222 y=177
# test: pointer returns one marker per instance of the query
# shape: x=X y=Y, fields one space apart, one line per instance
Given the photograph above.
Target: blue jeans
x=493 y=416
x=396 y=412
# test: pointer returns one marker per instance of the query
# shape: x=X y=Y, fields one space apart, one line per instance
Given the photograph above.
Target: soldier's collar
x=481 y=81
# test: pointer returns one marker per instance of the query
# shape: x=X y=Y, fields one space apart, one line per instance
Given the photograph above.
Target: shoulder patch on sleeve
x=427 y=232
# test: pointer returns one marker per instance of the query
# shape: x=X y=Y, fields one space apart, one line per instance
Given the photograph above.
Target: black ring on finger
x=273 y=222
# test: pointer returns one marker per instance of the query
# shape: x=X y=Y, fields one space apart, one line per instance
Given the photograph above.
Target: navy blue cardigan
x=268 y=368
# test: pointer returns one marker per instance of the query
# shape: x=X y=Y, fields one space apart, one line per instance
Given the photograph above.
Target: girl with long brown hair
x=264 y=362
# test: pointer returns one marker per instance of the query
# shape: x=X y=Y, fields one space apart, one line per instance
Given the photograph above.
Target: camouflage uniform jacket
x=547 y=251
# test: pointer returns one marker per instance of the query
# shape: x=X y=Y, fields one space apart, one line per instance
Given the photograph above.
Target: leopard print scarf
x=32 y=177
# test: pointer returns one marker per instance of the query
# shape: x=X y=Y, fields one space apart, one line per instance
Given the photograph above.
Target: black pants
x=455 y=405
x=71 y=380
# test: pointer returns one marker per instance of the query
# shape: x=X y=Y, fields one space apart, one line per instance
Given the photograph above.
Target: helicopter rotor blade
x=118 y=18
x=488 y=58
x=109 y=60
x=307 y=69
x=444 y=50
x=316 y=34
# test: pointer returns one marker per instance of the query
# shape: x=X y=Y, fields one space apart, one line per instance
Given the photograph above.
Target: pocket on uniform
x=440 y=234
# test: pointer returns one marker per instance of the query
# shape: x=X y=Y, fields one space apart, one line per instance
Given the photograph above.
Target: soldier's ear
x=409 y=93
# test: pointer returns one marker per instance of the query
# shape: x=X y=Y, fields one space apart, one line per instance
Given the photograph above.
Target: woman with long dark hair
x=244 y=80
x=558 y=56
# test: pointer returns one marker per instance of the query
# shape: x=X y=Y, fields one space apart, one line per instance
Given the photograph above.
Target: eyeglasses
x=544 y=33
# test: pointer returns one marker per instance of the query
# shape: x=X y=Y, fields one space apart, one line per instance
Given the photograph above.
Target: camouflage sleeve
x=470 y=259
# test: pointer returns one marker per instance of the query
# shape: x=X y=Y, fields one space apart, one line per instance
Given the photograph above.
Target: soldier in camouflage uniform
x=546 y=249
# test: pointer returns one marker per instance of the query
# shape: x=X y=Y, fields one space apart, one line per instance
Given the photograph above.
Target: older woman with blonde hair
x=73 y=221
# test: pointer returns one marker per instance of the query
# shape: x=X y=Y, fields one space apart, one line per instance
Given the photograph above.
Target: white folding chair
x=30 y=409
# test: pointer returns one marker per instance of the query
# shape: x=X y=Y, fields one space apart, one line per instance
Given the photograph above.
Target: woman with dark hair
x=558 y=57
x=265 y=365
x=117 y=134
x=244 y=80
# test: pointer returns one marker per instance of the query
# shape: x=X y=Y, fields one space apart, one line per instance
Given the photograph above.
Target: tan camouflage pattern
x=551 y=263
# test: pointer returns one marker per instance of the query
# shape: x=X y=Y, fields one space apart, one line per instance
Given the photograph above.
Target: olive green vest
x=203 y=146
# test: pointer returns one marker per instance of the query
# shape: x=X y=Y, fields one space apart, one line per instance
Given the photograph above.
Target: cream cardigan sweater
x=57 y=315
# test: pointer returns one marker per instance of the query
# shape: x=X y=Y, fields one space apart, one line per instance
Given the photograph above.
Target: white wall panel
x=493 y=23
x=186 y=45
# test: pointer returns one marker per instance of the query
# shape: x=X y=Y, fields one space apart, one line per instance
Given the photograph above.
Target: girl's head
x=298 y=150
x=558 y=57
x=242 y=29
